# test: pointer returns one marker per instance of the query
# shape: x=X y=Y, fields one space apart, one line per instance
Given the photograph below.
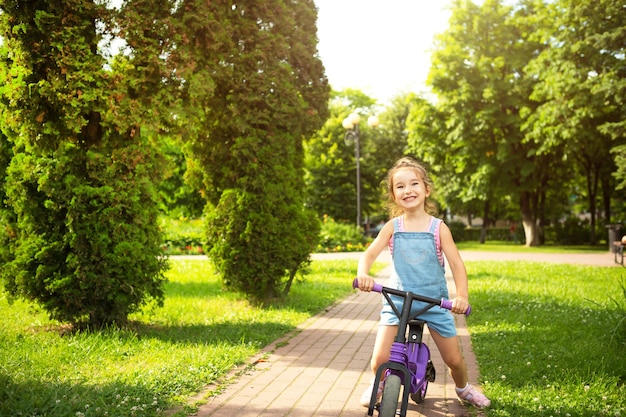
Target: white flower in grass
x=503 y=377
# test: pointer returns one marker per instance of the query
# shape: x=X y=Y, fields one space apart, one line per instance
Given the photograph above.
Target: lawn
x=502 y=246
x=170 y=353
x=550 y=340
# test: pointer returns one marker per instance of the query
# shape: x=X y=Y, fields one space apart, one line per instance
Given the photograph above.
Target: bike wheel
x=419 y=396
x=391 y=393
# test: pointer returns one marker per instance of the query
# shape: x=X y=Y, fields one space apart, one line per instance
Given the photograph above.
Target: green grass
x=547 y=338
x=170 y=353
x=550 y=339
x=502 y=246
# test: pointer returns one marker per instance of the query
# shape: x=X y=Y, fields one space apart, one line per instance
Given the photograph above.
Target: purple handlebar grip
x=447 y=304
x=377 y=287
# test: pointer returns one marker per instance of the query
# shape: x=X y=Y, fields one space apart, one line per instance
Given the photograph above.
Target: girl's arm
x=366 y=282
x=459 y=273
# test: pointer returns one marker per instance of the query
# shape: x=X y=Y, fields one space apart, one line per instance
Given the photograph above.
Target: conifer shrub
x=87 y=247
x=250 y=245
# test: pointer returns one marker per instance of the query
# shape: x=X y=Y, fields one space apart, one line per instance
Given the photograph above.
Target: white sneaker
x=367 y=395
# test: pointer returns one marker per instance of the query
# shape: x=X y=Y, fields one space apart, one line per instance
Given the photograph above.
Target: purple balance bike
x=409 y=363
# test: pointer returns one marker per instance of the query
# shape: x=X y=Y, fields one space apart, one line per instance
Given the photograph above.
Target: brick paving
x=322 y=368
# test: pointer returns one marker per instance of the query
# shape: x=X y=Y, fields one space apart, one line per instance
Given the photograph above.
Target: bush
x=459 y=231
x=340 y=237
x=259 y=251
x=462 y=233
x=572 y=231
x=87 y=246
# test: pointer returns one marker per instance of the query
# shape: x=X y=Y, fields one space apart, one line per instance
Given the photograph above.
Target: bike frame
x=409 y=357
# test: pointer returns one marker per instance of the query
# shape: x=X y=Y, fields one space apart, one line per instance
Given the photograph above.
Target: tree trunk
x=606 y=198
x=529 y=220
x=483 y=230
x=592 y=192
x=542 y=216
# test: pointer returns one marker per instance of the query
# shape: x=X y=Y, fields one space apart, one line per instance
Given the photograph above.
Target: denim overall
x=417 y=269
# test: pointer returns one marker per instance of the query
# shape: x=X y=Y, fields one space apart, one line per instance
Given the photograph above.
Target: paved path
x=322 y=368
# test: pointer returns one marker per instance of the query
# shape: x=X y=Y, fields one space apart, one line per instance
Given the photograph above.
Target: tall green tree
x=478 y=76
x=254 y=88
x=580 y=78
x=330 y=160
x=81 y=180
x=388 y=143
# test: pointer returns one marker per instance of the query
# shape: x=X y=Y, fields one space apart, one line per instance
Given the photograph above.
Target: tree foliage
x=580 y=77
x=86 y=244
x=331 y=179
x=478 y=75
x=522 y=105
x=254 y=89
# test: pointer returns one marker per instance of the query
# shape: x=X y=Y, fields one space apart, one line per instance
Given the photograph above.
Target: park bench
x=618 y=247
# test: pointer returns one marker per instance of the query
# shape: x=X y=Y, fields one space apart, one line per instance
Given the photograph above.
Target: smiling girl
x=418 y=241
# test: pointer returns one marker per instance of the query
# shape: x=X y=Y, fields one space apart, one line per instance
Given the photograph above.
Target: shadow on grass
x=47 y=398
x=258 y=334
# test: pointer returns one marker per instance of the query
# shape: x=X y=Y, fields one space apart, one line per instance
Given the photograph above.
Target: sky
x=381 y=47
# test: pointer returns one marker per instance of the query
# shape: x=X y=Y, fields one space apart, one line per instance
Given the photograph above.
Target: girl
x=416 y=240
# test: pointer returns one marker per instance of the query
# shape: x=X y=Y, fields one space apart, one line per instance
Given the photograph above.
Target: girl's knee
x=378 y=358
x=455 y=362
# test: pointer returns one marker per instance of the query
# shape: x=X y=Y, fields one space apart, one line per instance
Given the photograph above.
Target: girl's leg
x=451 y=355
x=380 y=355
x=382 y=345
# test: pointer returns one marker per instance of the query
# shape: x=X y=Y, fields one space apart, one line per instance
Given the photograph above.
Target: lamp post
x=351 y=124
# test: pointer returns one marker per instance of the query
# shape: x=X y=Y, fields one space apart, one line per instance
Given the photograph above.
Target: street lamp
x=351 y=124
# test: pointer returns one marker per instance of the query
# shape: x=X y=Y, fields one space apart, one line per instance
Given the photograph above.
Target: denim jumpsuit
x=417 y=269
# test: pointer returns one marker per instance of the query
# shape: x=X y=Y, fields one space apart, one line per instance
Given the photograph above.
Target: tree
x=253 y=89
x=475 y=141
x=178 y=196
x=330 y=160
x=387 y=143
x=579 y=78
x=81 y=180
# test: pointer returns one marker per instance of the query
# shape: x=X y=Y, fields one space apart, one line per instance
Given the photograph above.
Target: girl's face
x=409 y=189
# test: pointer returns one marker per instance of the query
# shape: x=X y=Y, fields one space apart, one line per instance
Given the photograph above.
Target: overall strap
x=397 y=227
x=434 y=229
x=396 y=224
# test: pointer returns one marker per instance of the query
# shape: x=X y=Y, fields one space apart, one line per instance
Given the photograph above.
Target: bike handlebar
x=443 y=303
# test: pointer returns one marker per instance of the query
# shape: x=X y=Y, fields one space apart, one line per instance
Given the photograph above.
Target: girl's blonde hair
x=407 y=162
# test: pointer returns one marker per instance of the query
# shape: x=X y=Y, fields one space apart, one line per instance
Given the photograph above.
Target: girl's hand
x=459 y=305
x=366 y=283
